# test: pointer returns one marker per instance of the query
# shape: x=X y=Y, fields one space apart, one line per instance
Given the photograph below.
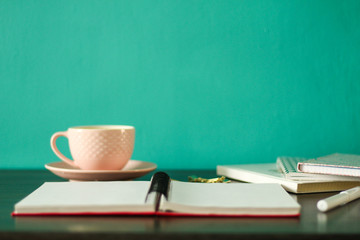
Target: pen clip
x=160 y=183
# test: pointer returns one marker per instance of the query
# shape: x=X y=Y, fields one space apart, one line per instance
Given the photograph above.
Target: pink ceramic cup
x=105 y=147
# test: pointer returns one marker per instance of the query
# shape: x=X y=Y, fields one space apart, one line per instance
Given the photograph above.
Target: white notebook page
x=233 y=195
x=87 y=196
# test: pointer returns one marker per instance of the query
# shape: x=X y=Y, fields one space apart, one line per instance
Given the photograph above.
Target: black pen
x=160 y=183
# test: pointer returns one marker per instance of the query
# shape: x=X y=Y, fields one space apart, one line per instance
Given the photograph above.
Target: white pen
x=338 y=199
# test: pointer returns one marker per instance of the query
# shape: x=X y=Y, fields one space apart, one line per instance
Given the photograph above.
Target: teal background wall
x=204 y=82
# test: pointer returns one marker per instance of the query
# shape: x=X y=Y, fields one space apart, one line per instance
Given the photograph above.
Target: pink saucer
x=133 y=169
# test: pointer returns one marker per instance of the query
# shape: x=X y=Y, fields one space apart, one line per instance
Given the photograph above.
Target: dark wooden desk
x=341 y=223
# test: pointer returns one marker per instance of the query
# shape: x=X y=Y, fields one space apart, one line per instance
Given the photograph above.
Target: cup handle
x=56 y=150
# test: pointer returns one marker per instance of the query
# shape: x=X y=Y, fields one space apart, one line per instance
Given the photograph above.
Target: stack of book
x=335 y=172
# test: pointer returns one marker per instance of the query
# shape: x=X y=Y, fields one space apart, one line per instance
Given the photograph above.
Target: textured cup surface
x=98 y=147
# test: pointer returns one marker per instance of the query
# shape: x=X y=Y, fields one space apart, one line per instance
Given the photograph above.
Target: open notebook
x=158 y=197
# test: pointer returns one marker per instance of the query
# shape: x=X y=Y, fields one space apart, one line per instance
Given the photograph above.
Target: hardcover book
x=334 y=164
x=269 y=173
x=288 y=166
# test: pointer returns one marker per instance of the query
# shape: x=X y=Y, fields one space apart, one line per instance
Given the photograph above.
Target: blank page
x=63 y=197
x=222 y=198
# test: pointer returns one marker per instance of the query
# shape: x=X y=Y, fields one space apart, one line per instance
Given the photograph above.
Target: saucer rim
x=151 y=168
